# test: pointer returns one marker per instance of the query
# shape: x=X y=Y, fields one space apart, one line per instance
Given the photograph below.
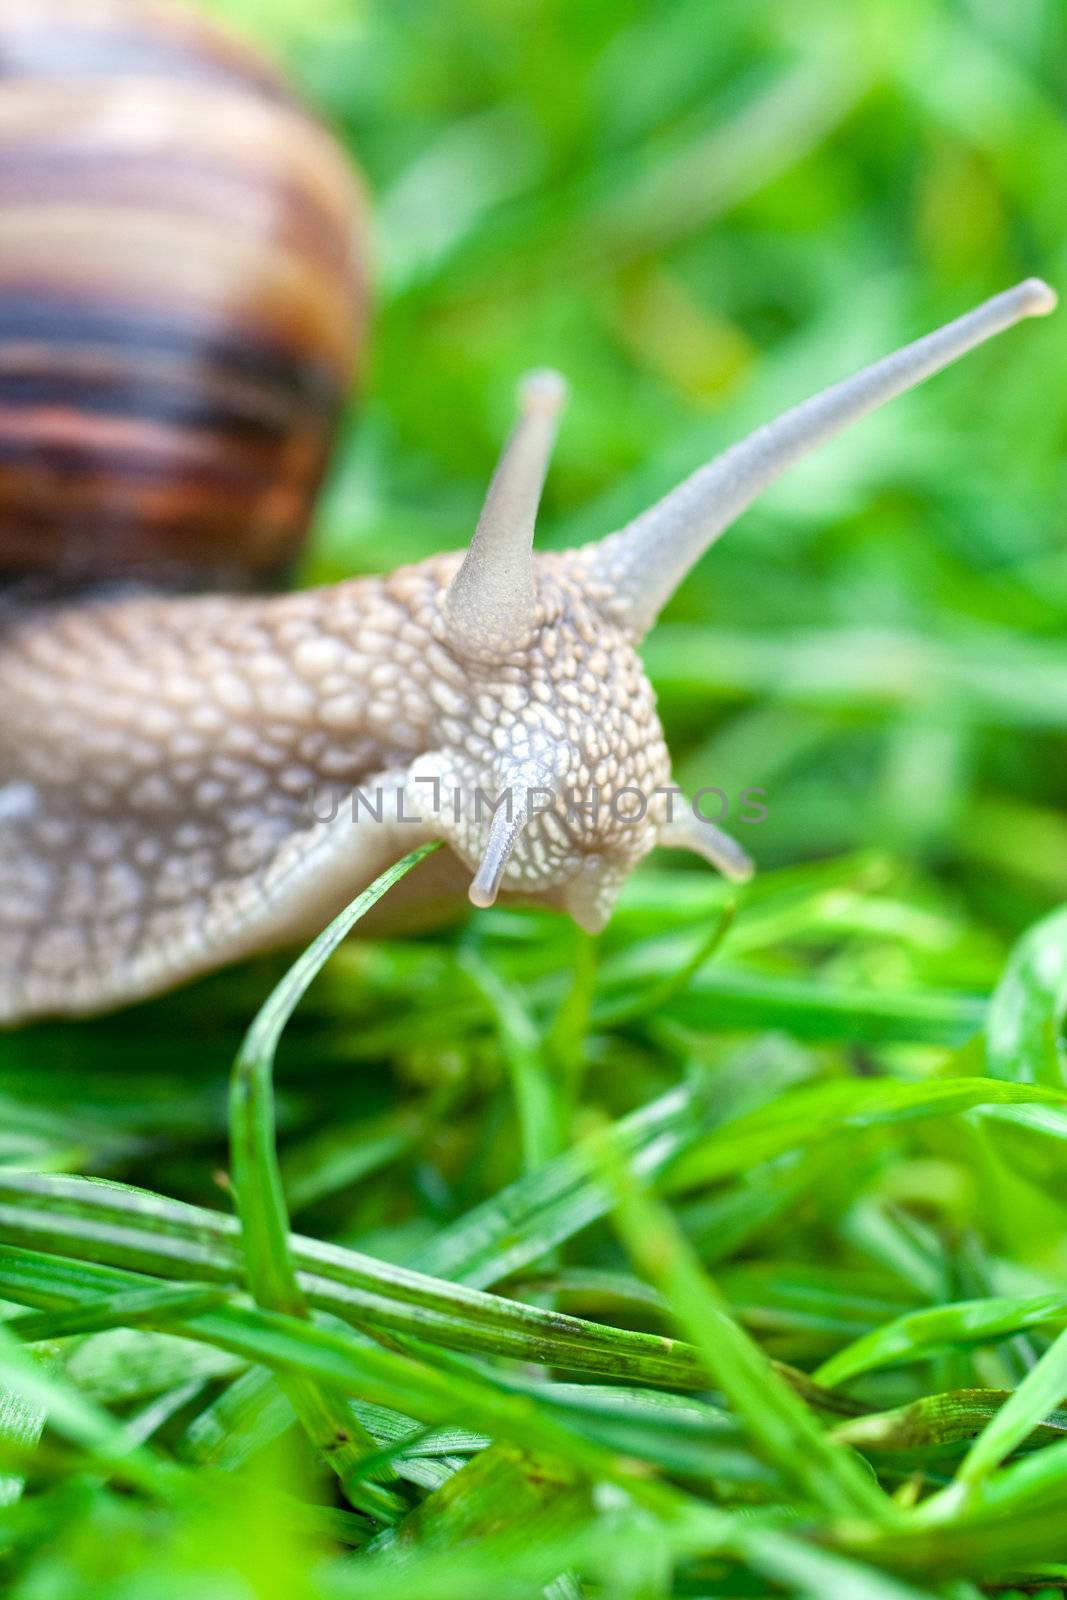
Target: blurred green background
x=702 y=213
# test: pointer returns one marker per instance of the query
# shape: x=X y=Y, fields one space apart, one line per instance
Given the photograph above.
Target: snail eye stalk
x=490 y=605
x=645 y=561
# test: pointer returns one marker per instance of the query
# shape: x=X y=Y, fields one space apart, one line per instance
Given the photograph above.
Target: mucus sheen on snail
x=180 y=307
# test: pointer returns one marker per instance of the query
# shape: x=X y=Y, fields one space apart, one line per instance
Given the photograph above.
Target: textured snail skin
x=181 y=298
x=166 y=748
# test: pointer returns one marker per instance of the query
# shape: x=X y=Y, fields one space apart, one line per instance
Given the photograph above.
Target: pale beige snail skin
x=157 y=754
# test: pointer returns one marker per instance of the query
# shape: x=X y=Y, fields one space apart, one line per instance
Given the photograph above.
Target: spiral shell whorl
x=181 y=297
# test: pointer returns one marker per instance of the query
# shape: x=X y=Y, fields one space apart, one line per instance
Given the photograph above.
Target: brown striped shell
x=181 y=298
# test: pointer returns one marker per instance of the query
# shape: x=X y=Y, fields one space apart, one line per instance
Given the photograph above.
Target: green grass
x=486 y=1365
x=725 y=1255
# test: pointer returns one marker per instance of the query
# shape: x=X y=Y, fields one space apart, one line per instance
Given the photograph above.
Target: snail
x=181 y=303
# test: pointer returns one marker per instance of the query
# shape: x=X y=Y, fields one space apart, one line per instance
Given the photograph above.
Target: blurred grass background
x=702 y=214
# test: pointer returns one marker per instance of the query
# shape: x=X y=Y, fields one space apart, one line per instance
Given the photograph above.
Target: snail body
x=171 y=763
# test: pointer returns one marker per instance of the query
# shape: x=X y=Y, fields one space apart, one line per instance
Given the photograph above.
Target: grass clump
x=750 y=1322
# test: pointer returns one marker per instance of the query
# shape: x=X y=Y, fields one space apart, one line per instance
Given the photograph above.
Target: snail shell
x=181 y=297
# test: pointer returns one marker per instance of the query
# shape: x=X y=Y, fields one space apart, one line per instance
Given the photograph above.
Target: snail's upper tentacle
x=644 y=562
x=491 y=603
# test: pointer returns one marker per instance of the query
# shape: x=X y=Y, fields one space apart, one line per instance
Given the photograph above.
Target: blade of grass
x=264 y=1218
x=1024 y=1024
x=785 y=1430
x=614 y=1011
x=21 y=1425
x=342 y=1155
x=536 y=1098
x=1039 y=1394
x=523 y=1222
x=153 y=1307
x=822 y=1111
x=937 y=1420
x=257 y=1178
x=97 y=1221
x=104 y=1442
x=919 y=1334
x=401 y=1382
x=1014 y=1523
x=722 y=999
x=202 y=1245
x=813 y=1574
